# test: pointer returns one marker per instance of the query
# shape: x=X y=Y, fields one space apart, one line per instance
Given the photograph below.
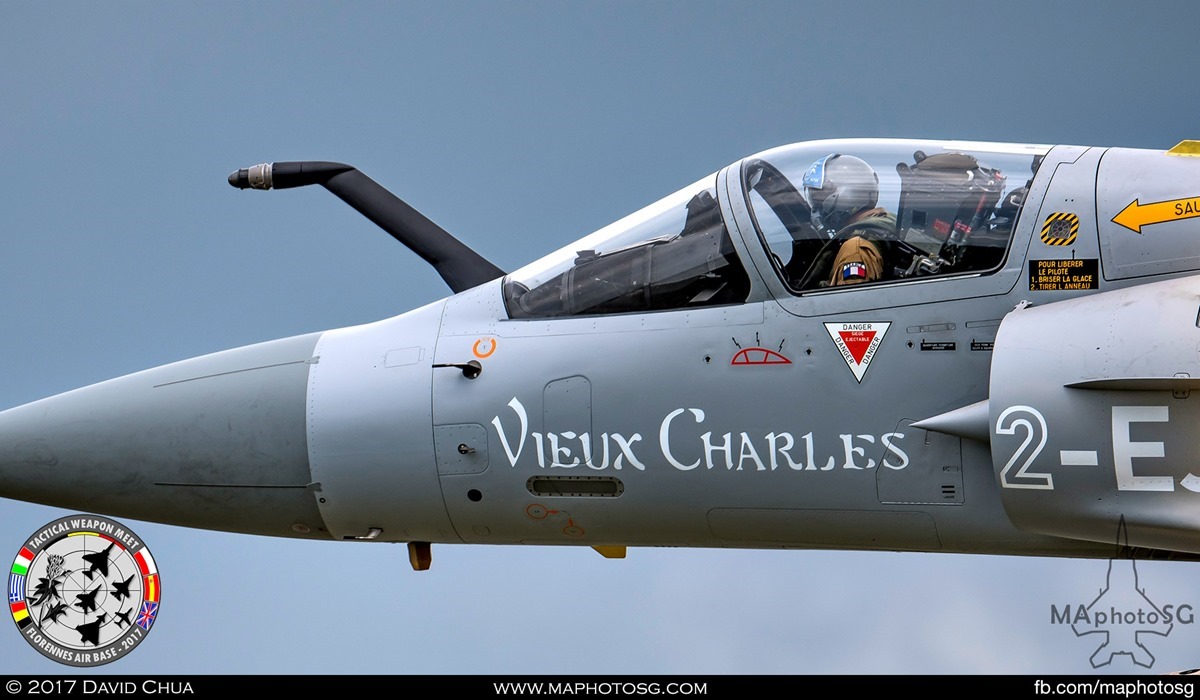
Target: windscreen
x=673 y=254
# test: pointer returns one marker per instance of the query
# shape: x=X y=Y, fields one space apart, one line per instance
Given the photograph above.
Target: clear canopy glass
x=928 y=207
x=923 y=207
x=673 y=254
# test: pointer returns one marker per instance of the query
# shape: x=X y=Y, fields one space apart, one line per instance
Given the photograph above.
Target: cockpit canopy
x=673 y=254
x=931 y=208
x=935 y=208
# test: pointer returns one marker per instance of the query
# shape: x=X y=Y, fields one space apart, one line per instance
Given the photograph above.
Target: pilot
x=843 y=191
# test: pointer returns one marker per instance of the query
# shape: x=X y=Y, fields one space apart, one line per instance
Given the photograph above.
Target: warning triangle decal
x=857 y=342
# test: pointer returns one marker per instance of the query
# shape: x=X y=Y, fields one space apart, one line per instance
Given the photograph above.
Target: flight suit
x=860 y=258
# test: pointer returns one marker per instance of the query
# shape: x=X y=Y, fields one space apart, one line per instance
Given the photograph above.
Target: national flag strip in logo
x=149 y=572
x=146 y=617
x=20 y=615
x=21 y=564
x=151 y=587
x=145 y=562
x=858 y=342
x=16 y=588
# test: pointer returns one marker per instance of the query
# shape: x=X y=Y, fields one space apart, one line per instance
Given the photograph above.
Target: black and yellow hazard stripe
x=1060 y=228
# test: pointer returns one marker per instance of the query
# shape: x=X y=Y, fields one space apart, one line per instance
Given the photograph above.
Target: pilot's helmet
x=837 y=188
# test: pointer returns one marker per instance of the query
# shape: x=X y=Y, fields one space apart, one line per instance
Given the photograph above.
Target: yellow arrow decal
x=1137 y=215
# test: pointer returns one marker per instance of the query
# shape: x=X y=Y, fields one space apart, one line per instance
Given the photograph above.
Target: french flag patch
x=854 y=271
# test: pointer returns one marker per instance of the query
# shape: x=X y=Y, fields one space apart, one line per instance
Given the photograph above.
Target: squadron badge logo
x=84 y=590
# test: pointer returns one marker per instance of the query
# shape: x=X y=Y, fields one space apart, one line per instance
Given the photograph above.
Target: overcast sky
x=518 y=126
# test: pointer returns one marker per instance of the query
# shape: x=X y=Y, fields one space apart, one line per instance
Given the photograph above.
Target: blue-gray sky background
x=518 y=126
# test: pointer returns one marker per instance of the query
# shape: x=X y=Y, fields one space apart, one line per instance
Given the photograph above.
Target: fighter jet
x=86 y=601
x=121 y=588
x=122 y=618
x=98 y=562
x=853 y=344
x=90 y=632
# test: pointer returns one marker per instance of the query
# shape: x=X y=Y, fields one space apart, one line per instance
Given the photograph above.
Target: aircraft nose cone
x=215 y=442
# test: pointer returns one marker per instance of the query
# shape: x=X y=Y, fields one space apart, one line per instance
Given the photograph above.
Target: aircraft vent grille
x=576 y=486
